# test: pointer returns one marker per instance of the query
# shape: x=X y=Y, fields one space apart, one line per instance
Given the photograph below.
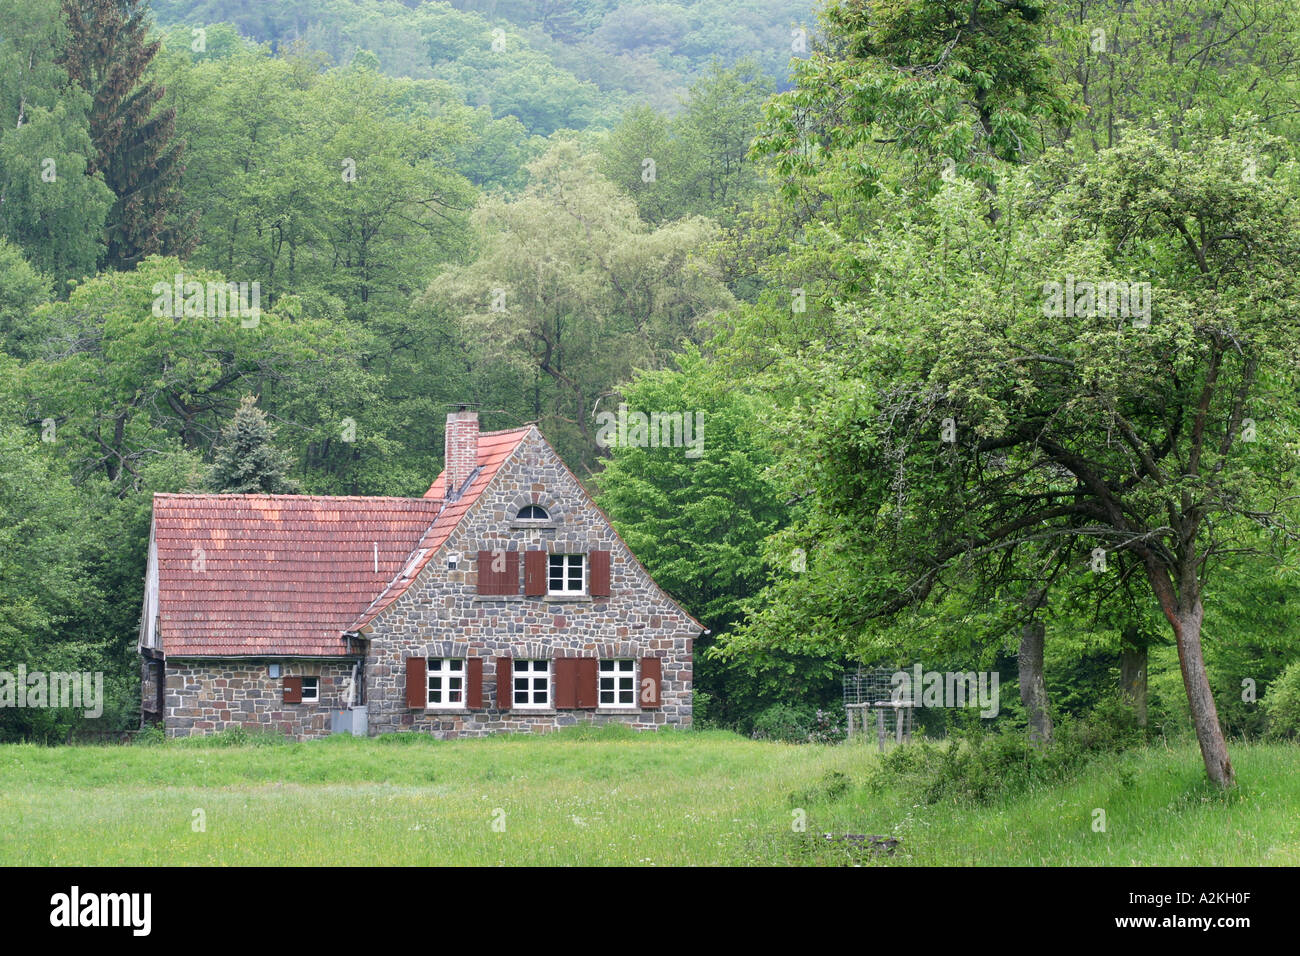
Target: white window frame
x=546 y=515
x=534 y=673
x=312 y=696
x=618 y=674
x=445 y=673
x=566 y=576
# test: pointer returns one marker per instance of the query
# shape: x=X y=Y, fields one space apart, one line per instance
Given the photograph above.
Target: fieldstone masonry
x=443 y=615
x=208 y=696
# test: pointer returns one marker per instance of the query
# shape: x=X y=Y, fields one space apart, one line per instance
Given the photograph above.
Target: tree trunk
x=1033 y=688
x=1205 y=716
x=1133 y=676
x=1185 y=613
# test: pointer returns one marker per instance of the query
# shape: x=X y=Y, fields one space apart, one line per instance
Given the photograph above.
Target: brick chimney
x=461 y=450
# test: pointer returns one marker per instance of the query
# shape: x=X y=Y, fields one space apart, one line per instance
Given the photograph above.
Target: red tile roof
x=275 y=574
x=287 y=575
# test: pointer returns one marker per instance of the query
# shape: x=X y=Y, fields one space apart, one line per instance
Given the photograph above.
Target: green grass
x=608 y=797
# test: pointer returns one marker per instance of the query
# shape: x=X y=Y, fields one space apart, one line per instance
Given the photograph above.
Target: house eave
x=267 y=656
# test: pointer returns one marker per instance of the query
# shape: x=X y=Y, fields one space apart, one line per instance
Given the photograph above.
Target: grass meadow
x=613 y=797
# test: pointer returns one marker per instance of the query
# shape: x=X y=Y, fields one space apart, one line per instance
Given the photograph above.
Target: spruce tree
x=107 y=54
x=246 y=460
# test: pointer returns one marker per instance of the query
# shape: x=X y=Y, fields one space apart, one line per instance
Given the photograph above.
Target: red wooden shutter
x=474 y=678
x=505 y=683
x=535 y=573
x=588 y=680
x=599 y=573
x=505 y=581
x=651 y=678
x=417 y=683
x=566 y=683
x=293 y=690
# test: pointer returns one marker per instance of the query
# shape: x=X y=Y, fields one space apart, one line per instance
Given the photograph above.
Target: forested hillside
x=555 y=62
x=989 y=311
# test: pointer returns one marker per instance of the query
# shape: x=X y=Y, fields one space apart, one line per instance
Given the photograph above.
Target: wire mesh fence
x=872 y=704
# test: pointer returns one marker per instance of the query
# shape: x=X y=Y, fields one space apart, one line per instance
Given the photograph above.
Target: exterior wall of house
x=205 y=696
x=442 y=615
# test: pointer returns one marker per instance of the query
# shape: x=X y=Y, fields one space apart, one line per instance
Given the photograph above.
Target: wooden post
x=848 y=717
x=898 y=724
x=880 y=729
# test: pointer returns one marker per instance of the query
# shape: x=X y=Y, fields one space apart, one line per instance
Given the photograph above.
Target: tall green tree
x=928 y=89
x=1188 y=63
x=44 y=584
x=129 y=374
x=49 y=206
x=698 y=523
x=107 y=54
x=969 y=420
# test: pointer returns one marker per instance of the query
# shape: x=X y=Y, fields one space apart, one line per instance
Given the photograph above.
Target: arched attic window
x=533 y=513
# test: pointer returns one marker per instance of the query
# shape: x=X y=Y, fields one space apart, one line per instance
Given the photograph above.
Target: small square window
x=565 y=573
x=310 y=689
x=446 y=683
x=617 y=685
x=532 y=684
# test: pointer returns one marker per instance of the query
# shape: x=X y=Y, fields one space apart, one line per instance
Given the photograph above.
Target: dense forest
x=989 y=310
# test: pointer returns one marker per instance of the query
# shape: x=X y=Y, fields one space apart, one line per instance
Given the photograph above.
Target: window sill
x=534 y=525
x=447 y=710
x=618 y=710
x=566 y=598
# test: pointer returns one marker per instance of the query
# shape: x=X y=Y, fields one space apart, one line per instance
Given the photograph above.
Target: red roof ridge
x=190 y=496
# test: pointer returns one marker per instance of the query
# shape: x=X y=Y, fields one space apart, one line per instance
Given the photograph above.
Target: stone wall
x=208 y=696
x=442 y=615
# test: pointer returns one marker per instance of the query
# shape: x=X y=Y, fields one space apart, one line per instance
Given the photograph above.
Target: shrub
x=798 y=724
x=826 y=728
x=1282 y=704
x=982 y=767
x=151 y=736
x=701 y=704
x=787 y=723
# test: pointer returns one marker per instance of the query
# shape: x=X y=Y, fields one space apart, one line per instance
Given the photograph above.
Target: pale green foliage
x=48 y=205
x=22 y=289
x=572 y=291
x=124 y=382
x=701 y=156
x=1282 y=703
x=1198 y=64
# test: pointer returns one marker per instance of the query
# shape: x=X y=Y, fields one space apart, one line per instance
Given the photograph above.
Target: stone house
x=503 y=600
